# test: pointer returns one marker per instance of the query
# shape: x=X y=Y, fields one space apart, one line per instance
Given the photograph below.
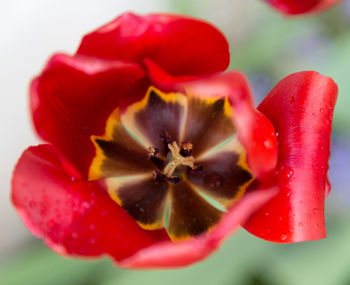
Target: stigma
x=177 y=160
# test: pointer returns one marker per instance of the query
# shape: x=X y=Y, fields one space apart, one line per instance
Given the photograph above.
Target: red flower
x=154 y=156
x=296 y=7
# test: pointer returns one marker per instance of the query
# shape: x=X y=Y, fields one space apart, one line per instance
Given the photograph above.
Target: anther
x=166 y=138
x=197 y=170
x=186 y=149
x=152 y=151
x=173 y=179
x=158 y=177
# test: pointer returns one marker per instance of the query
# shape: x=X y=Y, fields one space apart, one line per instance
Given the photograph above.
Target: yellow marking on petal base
x=188 y=236
x=115 y=183
x=210 y=100
x=128 y=117
x=159 y=224
x=96 y=164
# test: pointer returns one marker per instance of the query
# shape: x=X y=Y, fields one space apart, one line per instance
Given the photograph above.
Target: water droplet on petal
x=268 y=144
x=32 y=204
x=74 y=235
x=315 y=211
x=267 y=214
x=289 y=173
x=309 y=216
x=86 y=205
x=301 y=224
x=92 y=227
x=321 y=110
x=283 y=237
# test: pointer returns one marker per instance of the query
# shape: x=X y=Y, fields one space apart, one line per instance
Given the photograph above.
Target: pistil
x=177 y=160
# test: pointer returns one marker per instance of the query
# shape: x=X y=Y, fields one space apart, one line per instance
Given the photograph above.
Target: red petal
x=169 y=254
x=301 y=109
x=73 y=217
x=294 y=7
x=182 y=46
x=73 y=97
x=254 y=130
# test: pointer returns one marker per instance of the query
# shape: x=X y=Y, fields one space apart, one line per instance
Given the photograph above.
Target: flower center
x=194 y=170
x=176 y=160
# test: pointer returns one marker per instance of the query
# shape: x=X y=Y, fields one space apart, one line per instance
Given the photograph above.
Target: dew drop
x=283 y=237
x=300 y=224
x=309 y=216
x=289 y=173
x=86 y=205
x=321 y=110
x=267 y=214
x=268 y=144
x=92 y=241
x=92 y=227
x=72 y=178
x=74 y=235
x=280 y=218
x=32 y=204
x=315 y=211
x=213 y=180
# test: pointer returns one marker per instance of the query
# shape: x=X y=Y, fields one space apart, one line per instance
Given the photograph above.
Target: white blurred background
x=31 y=31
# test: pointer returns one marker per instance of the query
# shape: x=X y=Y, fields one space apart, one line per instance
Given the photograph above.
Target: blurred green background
x=267 y=47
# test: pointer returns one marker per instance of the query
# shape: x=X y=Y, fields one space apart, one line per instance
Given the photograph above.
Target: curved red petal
x=73 y=97
x=181 y=45
x=301 y=109
x=295 y=7
x=169 y=254
x=255 y=131
x=72 y=216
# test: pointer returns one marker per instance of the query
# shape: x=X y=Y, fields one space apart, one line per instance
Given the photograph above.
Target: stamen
x=152 y=152
x=186 y=149
x=158 y=177
x=177 y=160
x=166 y=138
x=197 y=170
